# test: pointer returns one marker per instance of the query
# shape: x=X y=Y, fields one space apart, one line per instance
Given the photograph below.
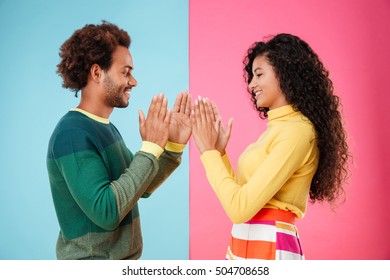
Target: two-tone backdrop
x=197 y=45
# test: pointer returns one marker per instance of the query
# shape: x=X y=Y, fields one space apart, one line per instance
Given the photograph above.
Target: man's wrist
x=175 y=147
x=152 y=148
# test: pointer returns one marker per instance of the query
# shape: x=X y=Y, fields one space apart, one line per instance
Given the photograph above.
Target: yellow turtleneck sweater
x=274 y=172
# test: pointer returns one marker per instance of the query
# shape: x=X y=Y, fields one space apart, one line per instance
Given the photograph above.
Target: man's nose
x=132 y=82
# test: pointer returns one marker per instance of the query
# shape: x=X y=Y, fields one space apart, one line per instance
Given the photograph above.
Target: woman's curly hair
x=87 y=46
x=305 y=82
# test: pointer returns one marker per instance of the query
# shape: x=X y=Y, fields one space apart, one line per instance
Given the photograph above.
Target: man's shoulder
x=73 y=121
x=73 y=131
x=77 y=132
x=77 y=125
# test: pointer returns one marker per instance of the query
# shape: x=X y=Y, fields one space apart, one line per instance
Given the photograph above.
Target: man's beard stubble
x=114 y=94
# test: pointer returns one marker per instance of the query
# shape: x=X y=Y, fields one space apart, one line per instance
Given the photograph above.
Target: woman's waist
x=270 y=214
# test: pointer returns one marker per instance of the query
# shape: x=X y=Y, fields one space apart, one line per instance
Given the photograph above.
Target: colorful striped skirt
x=270 y=235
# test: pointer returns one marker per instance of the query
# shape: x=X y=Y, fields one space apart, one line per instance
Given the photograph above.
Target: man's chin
x=122 y=105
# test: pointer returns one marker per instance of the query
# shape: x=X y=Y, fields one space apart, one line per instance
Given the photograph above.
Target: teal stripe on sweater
x=84 y=157
x=84 y=134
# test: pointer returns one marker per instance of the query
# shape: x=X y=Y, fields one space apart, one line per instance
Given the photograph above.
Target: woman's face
x=265 y=85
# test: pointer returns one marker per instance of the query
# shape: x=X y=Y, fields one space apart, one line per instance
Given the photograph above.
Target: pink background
x=353 y=41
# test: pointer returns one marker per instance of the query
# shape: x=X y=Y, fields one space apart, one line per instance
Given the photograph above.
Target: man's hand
x=180 y=125
x=155 y=127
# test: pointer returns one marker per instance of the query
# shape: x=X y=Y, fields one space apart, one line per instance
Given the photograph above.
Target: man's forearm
x=131 y=185
x=168 y=162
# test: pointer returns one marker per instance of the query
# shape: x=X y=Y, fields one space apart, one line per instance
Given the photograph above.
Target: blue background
x=32 y=102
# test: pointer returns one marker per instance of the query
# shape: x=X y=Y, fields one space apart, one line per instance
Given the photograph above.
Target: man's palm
x=180 y=124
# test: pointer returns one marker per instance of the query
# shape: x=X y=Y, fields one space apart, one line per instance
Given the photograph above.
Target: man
x=95 y=180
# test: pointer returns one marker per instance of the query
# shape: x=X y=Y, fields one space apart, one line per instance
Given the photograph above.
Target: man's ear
x=96 y=73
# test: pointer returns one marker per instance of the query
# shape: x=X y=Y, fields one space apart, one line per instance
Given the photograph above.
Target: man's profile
x=95 y=179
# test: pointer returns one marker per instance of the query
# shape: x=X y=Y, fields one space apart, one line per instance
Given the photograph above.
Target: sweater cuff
x=225 y=158
x=174 y=147
x=152 y=148
x=209 y=158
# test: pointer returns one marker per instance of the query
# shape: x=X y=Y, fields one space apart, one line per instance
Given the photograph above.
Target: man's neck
x=94 y=106
x=103 y=113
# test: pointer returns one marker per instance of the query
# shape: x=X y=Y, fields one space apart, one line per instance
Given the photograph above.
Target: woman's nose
x=251 y=86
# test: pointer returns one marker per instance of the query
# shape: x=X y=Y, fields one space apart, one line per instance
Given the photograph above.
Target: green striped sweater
x=96 y=182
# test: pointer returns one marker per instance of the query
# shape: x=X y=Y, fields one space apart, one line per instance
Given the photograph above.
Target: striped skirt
x=270 y=235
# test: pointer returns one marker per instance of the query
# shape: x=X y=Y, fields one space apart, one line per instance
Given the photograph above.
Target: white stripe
x=233 y=257
x=286 y=231
x=285 y=255
x=239 y=258
x=254 y=232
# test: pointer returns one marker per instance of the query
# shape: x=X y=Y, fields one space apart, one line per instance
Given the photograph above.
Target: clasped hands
x=202 y=119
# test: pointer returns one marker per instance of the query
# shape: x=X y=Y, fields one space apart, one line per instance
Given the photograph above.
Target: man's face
x=118 y=80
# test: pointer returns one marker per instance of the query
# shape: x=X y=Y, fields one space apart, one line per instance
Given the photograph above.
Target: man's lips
x=127 y=91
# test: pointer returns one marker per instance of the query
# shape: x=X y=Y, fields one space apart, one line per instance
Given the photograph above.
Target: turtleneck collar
x=280 y=112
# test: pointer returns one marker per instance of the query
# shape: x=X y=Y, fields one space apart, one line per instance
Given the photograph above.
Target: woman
x=303 y=153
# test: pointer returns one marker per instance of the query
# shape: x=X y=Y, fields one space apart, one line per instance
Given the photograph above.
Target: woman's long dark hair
x=307 y=87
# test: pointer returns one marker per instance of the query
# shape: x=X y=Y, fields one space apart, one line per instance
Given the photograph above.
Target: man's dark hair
x=92 y=44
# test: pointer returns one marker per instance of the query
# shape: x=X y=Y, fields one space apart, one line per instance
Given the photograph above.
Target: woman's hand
x=224 y=132
x=205 y=129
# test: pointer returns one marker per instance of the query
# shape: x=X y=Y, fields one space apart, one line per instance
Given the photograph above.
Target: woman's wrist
x=205 y=149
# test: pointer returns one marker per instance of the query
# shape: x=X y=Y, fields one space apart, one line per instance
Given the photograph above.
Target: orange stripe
x=253 y=249
x=269 y=214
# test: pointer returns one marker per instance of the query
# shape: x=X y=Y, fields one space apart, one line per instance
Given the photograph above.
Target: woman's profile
x=302 y=155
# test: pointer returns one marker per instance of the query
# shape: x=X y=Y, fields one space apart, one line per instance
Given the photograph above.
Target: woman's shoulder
x=297 y=130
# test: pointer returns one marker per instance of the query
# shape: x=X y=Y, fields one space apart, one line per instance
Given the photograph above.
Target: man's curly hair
x=87 y=46
x=305 y=83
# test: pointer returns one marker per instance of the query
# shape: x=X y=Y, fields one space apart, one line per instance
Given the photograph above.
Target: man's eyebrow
x=128 y=66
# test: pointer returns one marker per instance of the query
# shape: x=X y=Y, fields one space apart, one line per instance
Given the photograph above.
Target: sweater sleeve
x=241 y=202
x=228 y=166
x=169 y=160
x=104 y=202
